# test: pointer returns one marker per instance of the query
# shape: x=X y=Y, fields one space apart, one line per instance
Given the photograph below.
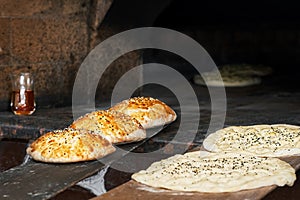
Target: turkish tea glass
x=22 y=96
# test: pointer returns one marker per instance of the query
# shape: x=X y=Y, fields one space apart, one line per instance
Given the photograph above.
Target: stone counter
x=274 y=101
x=30 y=127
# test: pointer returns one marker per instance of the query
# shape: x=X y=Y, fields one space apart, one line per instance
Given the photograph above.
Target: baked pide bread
x=202 y=171
x=68 y=145
x=148 y=111
x=275 y=140
x=116 y=127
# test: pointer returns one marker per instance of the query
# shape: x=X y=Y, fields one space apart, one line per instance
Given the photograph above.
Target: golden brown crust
x=114 y=126
x=148 y=111
x=68 y=145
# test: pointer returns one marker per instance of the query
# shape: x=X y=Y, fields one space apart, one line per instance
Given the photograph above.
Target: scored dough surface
x=216 y=172
x=264 y=140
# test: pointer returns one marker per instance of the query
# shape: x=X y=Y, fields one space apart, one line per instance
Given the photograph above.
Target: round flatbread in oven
x=68 y=145
x=201 y=171
x=245 y=69
x=233 y=75
x=148 y=111
x=213 y=79
x=275 y=140
x=116 y=127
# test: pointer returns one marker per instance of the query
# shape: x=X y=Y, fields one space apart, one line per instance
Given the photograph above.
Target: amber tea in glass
x=22 y=97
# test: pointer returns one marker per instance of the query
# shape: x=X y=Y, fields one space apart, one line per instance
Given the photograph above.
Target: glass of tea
x=22 y=97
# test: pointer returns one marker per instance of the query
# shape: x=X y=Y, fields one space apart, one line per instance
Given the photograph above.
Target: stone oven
x=51 y=38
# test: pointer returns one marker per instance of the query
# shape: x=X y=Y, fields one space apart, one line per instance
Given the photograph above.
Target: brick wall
x=51 y=39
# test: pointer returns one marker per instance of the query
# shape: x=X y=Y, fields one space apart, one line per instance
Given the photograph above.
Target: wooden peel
x=135 y=190
x=37 y=180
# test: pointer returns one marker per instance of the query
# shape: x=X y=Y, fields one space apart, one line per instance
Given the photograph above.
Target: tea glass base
x=22 y=112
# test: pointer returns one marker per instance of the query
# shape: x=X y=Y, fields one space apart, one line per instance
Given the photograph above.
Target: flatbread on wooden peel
x=275 y=140
x=116 y=127
x=68 y=145
x=148 y=111
x=202 y=171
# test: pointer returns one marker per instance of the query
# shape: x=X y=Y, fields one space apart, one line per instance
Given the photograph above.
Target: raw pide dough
x=201 y=171
x=262 y=140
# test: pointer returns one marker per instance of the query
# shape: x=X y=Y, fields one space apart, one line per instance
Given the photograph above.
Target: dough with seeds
x=274 y=140
x=202 y=171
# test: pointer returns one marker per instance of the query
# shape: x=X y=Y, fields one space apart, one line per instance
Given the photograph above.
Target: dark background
x=254 y=32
